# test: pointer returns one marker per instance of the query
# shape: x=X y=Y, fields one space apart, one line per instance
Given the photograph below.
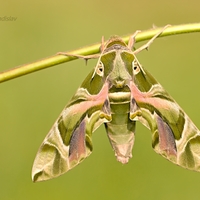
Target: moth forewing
x=174 y=135
x=69 y=141
x=117 y=93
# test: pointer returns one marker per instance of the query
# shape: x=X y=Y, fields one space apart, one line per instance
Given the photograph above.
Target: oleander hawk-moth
x=117 y=93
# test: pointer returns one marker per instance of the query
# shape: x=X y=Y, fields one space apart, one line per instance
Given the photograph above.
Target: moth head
x=113 y=41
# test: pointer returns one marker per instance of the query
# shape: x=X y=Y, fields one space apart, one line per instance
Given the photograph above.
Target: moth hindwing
x=117 y=93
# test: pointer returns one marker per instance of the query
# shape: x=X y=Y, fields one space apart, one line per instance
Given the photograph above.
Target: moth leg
x=94 y=56
x=102 y=47
x=131 y=41
x=146 y=46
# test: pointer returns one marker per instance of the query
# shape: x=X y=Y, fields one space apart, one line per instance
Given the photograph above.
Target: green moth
x=117 y=93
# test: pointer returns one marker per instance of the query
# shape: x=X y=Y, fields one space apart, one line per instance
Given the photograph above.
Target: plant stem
x=92 y=49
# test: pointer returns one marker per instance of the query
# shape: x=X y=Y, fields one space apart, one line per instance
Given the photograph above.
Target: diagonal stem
x=93 y=49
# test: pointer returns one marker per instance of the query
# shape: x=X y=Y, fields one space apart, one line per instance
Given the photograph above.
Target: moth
x=117 y=93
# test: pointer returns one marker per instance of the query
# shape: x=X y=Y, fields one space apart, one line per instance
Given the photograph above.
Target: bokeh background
x=29 y=105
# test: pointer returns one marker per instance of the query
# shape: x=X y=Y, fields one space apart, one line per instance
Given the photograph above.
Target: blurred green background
x=29 y=105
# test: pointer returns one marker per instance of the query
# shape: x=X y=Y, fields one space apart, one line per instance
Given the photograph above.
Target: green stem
x=93 y=49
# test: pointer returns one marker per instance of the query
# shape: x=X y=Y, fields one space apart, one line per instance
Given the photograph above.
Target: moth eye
x=136 y=67
x=100 y=69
